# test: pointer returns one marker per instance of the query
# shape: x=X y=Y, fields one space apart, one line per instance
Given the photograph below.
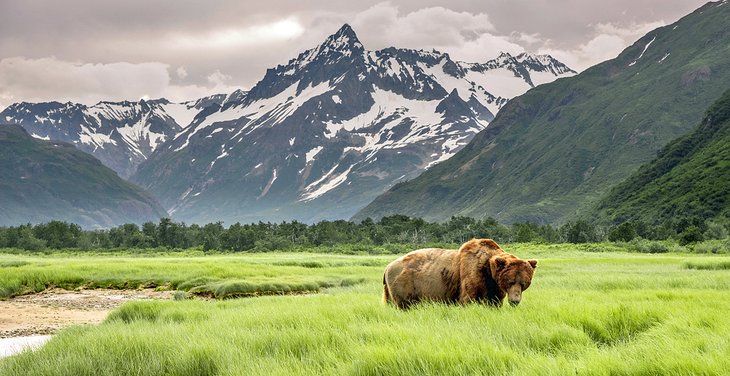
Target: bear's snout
x=514 y=294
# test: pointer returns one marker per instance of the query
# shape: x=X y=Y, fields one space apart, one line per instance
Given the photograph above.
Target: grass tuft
x=13 y=263
x=722 y=265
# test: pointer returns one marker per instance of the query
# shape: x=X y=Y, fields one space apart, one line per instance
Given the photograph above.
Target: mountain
x=45 y=180
x=120 y=134
x=320 y=136
x=689 y=177
x=560 y=146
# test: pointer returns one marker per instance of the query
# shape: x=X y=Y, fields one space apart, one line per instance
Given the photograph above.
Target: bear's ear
x=489 y=243
x=500 y=262
x=533 y=263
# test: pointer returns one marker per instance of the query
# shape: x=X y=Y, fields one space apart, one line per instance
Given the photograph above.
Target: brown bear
x=480 y=271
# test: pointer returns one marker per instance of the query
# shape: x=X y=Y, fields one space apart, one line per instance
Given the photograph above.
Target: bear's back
x=425 y=274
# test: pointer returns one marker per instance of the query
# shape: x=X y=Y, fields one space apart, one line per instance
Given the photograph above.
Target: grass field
x=594 y=313
x=217 y=276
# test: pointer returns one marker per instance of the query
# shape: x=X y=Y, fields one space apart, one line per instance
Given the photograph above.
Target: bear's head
x=513 y=275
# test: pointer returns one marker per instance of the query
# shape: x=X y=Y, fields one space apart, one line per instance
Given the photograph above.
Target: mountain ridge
x=121 y=134
x=558 y=147
x=688 y=179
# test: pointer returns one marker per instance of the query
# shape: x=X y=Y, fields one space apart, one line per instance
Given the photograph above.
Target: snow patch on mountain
x=539 y=78
x=448 y=81
x=266 y=111
x=182 y=113
x=643 y=51
x=387 y=104
x=135 y=135
x=309 y=156
x=293 y=99
x=210 y=135
x=448 y=149
x=501 y=83
x=45 y=138
x=269 y=184
x=325 y=184
x=96 y=139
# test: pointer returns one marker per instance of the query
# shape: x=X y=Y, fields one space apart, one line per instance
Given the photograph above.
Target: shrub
x=715 y=231
x=624 y=232
x=711 y=247
x=31 y=243
x=580 y=232
x=691 y=234
x=648 y=246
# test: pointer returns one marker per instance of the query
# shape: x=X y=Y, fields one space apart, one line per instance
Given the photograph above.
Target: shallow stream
x=12 y=346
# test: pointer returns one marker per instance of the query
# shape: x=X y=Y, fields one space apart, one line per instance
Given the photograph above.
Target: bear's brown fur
x=479 y=271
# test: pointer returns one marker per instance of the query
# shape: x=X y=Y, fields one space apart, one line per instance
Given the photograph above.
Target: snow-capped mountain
x=320 y=136
x=120 y=134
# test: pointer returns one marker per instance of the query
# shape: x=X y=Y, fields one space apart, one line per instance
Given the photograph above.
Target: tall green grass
x=586 y=313
x=219 y=276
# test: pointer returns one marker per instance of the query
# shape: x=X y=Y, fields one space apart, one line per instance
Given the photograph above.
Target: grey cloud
x=88 y=39
x=48 y=79
x=569 y=23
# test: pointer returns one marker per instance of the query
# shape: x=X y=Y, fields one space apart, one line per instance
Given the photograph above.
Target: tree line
x=395 y=229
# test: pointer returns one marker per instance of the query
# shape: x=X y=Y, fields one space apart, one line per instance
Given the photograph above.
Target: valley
x=216 y=188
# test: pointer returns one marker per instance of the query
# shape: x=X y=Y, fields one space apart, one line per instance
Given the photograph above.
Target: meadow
x=587 y=312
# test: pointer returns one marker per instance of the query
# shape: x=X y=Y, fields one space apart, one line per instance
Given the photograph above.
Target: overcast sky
x=86 y=51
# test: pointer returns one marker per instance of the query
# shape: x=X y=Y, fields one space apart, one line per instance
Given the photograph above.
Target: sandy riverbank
x=30 y=319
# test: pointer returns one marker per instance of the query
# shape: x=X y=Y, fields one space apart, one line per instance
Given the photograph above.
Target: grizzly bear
x=479 y=271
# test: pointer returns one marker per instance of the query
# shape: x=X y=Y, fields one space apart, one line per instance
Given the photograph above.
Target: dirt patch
x=51 y=310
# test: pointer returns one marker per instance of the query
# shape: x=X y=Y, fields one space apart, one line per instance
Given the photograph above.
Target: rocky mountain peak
x=342 y=40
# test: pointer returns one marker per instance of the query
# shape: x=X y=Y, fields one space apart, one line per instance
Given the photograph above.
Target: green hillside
x=561 y=146
x=689 y=178
x=42 y=181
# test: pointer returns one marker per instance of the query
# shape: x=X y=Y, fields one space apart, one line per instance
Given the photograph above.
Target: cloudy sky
x=86 y=51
